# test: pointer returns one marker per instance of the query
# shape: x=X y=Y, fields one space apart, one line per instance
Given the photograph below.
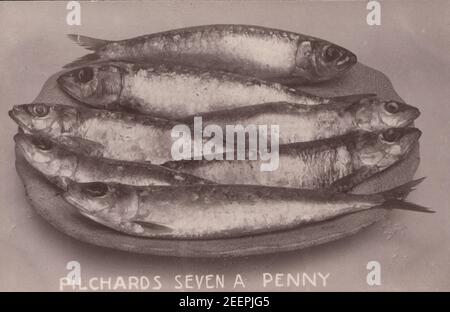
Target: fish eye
x=84 y=75
x=42 y=144
x=95 y=189
x=39 y=110
x=391 y=107
x=331 y=54
x=390 y=135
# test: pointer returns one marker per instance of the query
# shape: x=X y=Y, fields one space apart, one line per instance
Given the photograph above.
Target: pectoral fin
x=138 y=228
x=348 y=182
x=153 y=229
x=83 y=146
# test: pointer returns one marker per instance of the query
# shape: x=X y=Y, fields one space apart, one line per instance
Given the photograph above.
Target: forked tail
x=394 y=198
x=87 y=43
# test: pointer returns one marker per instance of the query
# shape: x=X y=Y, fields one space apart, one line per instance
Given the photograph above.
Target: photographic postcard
x=225 y=146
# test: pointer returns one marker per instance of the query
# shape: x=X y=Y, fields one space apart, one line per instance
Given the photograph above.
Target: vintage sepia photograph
x=264 y=146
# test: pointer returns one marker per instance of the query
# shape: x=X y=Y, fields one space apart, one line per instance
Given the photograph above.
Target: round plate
x=48 y=203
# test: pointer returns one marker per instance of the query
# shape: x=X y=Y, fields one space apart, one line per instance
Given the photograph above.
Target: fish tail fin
x=88 y=58
x=89 y=43
x=404 y=205
x=400 y=192
x=394 y=198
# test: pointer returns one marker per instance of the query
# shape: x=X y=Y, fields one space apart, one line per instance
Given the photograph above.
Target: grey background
x=411 y=47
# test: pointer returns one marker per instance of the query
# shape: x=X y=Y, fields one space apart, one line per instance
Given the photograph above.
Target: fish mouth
x=415 y=113
x=410 y=117
x=411 y=139
x=14 y=115
x=415 y=136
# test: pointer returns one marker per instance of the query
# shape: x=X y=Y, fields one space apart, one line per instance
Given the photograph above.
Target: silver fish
x=219 y=211
x=302 y=123
x=172 y=91
x=250 y=50
x=100 y=133
x=338 y=163
x=59 y=164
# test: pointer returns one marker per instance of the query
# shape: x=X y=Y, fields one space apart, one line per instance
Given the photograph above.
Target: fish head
x=383 y=149
x=98 y=85
x=109 y=199
x=374 y=114
x=44 y=119
x=42 y=154
x=319 y=60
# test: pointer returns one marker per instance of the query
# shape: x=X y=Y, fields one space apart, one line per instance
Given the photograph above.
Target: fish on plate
x=302 y=123
x=336 y=164
x=60 y=164
x=245 y=49
x=100 y=133
x=219 y=211
x=173 y=91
